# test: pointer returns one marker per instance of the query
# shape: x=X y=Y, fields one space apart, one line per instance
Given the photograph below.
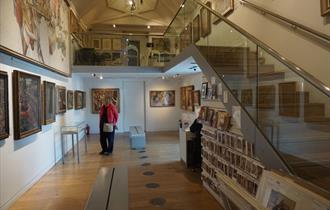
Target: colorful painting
x=26 y=104
x=38 y=31
x=61 y=99
x=104 y=96
x=196 y=29
x=78 y=99
x=224 y=7
x=165 y=98
x=4 y=116
x=48 y=102
x=69 y=99
x=205 y=20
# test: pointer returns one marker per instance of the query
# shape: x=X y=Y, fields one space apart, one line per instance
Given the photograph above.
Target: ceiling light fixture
x=130 y=2
x=148 y=27
x=182 y=5
x=114 y=25
x=101 y=76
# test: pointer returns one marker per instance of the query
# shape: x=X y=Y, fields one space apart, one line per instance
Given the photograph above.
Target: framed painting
x=186 y=37
x=4 y=114
x=164 y=98
x=96 y=44
x=205 y=20
x=104 y=96
x=196 y=29
x=325 y=7
x=183 y=98
x=26 y=104
x=69 y=99
x=246 y=97
x=197 y=97
x=266 y=97
x=224 y=7
x=189 y=98
x=223 y=120
x=204 y=90
x=84 y=99
x=49 y=111
x=289 y=99
x=78 y=99
x=61 y=99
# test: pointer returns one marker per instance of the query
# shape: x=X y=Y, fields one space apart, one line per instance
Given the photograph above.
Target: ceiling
x=101 y=15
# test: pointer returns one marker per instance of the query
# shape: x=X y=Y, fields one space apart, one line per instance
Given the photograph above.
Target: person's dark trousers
x=103 y=141
x=110 y=136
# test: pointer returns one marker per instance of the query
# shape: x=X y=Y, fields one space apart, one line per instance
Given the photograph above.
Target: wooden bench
x=137 y=137
x=110 y=191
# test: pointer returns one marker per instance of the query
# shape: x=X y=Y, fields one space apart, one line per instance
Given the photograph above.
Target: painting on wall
x=189 y=98
x=196 y=29
x=165 y=98
x=223 y=120
x=104 y=96
x=78 y=99
x=161 y=44
x=266 y=97
x=4 y=115
x=325 y=7
x=38 y=32
x=279 y=201
x=205 y=20
x=49 y=111
x=61 y=99
x=69 y=99
x=224 y=7
x=204 y=90
x=182 y=98
x=26 y=104
x=289 y=100
x=197 y=97
x=246 y=97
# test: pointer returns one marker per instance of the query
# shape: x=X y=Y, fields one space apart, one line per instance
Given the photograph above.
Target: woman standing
x=108 y=117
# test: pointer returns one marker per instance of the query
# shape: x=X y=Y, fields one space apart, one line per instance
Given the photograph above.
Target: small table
x=73 y=128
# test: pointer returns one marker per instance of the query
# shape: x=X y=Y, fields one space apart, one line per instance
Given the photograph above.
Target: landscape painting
x=4 y=116
x=162 y=98
x=48 y=102
x=61 y=99
x=26 y=104
x=104 y=96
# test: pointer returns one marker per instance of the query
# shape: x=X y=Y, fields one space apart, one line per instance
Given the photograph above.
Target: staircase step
x=312 y=110
x=317 y=119
x=269 y=76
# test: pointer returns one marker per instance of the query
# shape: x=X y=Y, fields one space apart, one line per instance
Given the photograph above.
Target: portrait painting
x=224 y=7
x=165 y=98
x=279 y=201
x=78 y=99
x=223 y=120
x=205 y=20
x=246 y=97
x=4 y=115
x=49 y=102
x=197 y=97
x=266 y=97
x=69 y=99
x=196 y=29
x=103 y=96
x=26 y=104
x=61 y=99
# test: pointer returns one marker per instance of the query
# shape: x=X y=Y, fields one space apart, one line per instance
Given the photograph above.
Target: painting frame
x=189 y=98
x=61 y=99
x=205 y=20
x=32 y=112
x=4 y=106
x=197 y=97
x=98 y=93
x=196 y=29
x=49 y=97
x=171 y=94
x=78 y=99
x=325 y=7
x=204 y=90
x=266 y=97
x=69 y=99
x=247 y=97
x=225 y=10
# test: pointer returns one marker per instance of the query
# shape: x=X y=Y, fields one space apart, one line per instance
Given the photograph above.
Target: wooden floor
x=67 y=187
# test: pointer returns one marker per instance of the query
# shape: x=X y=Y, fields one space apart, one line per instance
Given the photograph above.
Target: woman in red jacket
x=108 y=114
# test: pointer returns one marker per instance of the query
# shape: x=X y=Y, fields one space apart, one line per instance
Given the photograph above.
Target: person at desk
x=108 y=120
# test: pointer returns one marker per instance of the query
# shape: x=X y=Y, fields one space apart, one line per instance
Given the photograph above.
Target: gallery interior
x=211 y=104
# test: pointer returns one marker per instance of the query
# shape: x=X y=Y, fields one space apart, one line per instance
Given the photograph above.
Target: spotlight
x=114 y=25
x=130 y=2
x=182 y=5
x=148 y=27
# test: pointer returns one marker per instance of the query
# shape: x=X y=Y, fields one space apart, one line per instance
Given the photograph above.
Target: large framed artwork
x=49 y=111
x=224 y=7
x=205 y=20
x=4 y=115
x=164 y=98
x=266 y=97
x=78 y=99
x=61 y=99
x=38 y=33
x=325 y=7
x=69 y=99
x=26 y=104
x=103 y=96
x=197 y=97
x=196 y=29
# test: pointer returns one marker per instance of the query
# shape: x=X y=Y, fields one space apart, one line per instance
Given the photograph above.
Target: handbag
x=108 y=127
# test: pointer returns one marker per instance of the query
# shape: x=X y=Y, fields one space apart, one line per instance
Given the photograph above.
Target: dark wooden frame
x=196 y=29
x=16 y=106
x=205 y=19
x=58 y=89
x=325 y=7
x=76 y=106
x=161 y=91
x=105 y=89
x=69 y=94
x=44 y=101
x=4 y=135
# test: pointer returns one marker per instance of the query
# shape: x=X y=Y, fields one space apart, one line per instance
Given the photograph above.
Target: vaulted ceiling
x=129 y=16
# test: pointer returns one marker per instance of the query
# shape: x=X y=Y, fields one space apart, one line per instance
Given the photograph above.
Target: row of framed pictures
x=215 y=118
x=189 y=98
x=34 y=103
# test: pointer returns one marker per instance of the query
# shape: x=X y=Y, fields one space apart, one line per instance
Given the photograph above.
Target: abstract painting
x=69 y=99
x=165 y=98
x=48 y=102
x=61 y=99
x=26 y=104
x=4 y=116
x=196 y=29
x=205 y=20
x=224 y=7
x=78 y=99
x=103 y=96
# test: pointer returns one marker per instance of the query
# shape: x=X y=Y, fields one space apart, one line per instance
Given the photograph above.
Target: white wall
x=24 y=161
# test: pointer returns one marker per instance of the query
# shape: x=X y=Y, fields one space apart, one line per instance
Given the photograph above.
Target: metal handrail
x=298 y=70
x=294 y=24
